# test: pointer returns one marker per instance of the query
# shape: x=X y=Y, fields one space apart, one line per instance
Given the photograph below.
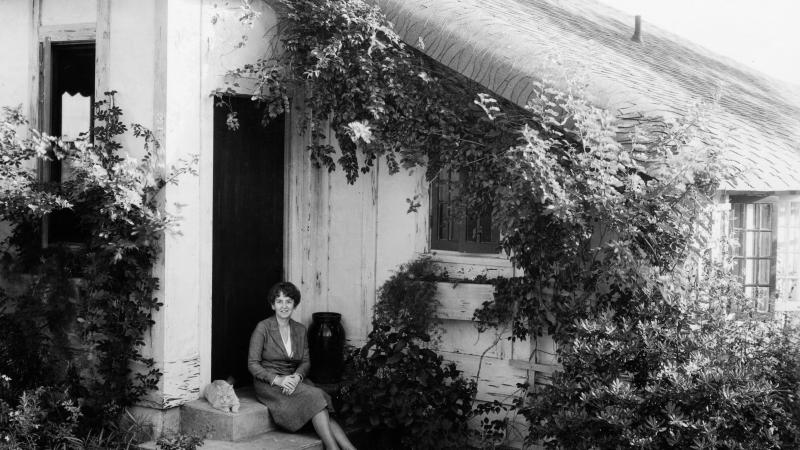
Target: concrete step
x=200 y=419
x=273 y=440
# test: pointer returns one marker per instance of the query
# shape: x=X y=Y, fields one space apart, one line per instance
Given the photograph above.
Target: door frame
x=206 y=260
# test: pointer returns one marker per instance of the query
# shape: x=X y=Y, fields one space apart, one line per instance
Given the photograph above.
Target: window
x=471 y=232
x=788 y=257
x=754 y=223
x=67 y=94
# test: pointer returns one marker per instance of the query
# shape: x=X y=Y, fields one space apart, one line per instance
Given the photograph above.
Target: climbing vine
x=82 y=304
x=582 y=197
x=379 y=97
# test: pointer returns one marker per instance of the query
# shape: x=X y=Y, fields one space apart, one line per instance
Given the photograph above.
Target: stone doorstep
x=250 y=429
x=272 y=440
x=199 y=418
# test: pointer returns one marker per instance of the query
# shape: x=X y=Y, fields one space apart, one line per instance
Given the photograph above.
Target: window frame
x=458 y=227
x=763 y=199
x=50 y=53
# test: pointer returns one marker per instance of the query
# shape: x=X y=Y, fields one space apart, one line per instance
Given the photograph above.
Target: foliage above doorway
x=380 y=97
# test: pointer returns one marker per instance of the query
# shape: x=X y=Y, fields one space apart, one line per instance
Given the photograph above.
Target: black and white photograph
x=399 y=224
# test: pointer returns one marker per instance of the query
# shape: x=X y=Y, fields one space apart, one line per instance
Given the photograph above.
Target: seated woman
x=278 y=360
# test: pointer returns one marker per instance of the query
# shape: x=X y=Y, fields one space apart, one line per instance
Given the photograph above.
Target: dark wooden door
x=248 y=232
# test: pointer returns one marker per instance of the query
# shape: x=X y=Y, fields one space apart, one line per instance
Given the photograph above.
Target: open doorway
x=247 y=231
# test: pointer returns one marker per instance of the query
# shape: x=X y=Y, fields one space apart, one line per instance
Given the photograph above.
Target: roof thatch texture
x=505 y=44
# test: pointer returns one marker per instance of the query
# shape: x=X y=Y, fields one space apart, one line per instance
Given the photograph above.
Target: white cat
x=222 y=396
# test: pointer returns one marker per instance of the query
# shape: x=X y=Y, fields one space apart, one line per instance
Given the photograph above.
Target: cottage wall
x=342 y=241
x=70 y=13
x=347 y=239
x=16 y=54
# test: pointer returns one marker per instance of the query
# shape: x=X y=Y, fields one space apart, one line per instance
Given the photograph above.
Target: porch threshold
x=272 y=440
x=201 y=419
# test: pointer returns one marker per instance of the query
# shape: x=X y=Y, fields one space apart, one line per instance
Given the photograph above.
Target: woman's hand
x=289 y=384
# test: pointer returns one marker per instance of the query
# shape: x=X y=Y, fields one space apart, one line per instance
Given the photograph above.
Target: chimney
x=637 y=31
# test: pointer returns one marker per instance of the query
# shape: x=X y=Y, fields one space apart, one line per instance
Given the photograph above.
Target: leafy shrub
x=24 y=353
x=496 y=424
x=399 y=387
x=407 y=394
x=124 y=434
x=179 y=441
x=82 y=334
x=676 y=372
x=42 y=418
x=408 y=299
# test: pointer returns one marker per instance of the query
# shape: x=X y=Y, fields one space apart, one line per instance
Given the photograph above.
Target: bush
x=408 y=299
x=399 y=388
x=674 y=372
x=42 y=418
x=124 y=434
x=84 y=334
x=406 y=393
x=179 y=441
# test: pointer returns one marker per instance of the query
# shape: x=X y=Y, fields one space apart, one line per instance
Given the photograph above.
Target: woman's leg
x=341 y=436
x=322 y=425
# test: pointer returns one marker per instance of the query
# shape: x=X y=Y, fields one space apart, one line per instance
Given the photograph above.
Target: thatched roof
x=505 y=44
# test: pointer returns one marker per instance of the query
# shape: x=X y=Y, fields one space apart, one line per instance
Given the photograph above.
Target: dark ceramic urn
x=326 y=346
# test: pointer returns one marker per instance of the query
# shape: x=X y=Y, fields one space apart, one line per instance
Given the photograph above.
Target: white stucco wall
x=65 y=12
x=228 y=43
x=15 y=53
x=401 y=235
x=131 y=64
x=177 y=109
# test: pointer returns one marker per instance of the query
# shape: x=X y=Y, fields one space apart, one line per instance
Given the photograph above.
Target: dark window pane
x=486 y=227
x=454 y=229
x=444 y=191
x=479 y=228
x=444 y=221
x=472 y=228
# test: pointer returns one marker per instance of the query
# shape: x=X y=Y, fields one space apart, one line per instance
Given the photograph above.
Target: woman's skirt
x=293 y=411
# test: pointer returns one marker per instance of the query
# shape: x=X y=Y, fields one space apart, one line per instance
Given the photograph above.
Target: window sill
x=469 y=258
x=470 y=265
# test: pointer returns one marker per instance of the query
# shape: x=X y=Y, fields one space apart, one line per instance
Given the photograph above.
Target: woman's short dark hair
x=288 y=289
